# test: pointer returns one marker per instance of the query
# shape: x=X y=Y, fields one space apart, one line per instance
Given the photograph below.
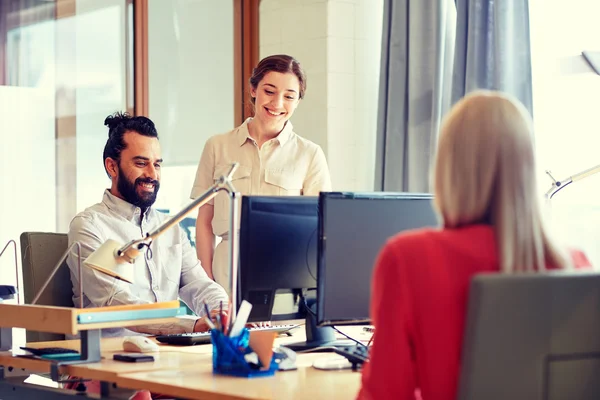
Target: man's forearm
x=181 y=325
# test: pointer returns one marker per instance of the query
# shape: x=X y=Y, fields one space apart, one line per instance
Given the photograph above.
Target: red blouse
x=418 y=307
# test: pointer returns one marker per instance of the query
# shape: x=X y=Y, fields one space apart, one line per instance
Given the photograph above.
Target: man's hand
x=202 y=326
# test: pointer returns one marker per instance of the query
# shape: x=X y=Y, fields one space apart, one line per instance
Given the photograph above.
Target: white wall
x=339 y=45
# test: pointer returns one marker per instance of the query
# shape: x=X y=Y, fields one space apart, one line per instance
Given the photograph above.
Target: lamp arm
x=558 y=185
x=586 y=173
x=198 y=202
x=55 y=269
x=16 y=265
x=131 y=250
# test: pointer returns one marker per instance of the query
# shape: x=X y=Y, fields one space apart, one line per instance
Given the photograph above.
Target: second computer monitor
x=353 y=227
x=278 y=255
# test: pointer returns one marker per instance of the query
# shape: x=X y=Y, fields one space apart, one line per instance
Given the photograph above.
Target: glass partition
x=190 y=87
x=64 y=66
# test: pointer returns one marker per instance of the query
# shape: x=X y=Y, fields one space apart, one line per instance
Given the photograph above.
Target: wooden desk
x=169 y=357
x=198 y=382
x=187 y=372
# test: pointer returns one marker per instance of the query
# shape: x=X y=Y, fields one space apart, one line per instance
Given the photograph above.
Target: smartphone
x=133 y=357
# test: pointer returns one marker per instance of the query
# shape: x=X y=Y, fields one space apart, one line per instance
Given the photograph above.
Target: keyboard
x=355 y=354
x=49 y=351
x=190 y=339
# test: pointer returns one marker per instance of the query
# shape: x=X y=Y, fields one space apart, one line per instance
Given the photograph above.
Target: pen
x=229 y=321
x=221 y=316
x=208 y=317
x=207 y=310
x=219 y=323
x=209 y=323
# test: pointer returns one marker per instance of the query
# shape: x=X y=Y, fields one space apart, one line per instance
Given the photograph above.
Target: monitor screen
x=278 y=255
x=353 y=227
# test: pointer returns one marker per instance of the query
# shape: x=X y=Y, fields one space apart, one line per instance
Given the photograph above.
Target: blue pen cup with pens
x=229 y=352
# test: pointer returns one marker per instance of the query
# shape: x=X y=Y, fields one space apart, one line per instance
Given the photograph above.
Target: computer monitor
x=353 y=228
x=278 y=263
x=532 y=336
x=278 y=255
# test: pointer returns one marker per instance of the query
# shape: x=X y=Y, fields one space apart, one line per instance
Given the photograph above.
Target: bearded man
x=169 y=269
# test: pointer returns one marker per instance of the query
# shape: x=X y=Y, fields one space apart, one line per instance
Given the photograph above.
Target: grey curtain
x=433 y=53
x=414 y=92
x=493 y=48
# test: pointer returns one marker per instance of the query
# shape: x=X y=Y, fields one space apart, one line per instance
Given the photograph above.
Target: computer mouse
x=139 y=344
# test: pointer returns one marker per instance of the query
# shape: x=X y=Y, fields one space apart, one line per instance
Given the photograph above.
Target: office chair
x=532 y=337
x=40 y=251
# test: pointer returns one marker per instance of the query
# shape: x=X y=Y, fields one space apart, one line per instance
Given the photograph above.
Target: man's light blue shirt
x=168 y=270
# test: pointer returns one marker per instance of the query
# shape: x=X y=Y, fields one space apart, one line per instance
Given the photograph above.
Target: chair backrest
x=40 y=251
x=533 y=337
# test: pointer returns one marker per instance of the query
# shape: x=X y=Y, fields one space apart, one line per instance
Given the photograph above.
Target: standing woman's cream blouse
x=287 y=165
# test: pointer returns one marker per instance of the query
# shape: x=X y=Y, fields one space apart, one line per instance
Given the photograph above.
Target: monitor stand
x=318 y=338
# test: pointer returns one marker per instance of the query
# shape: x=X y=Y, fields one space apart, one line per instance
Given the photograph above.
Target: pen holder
x=229 y=352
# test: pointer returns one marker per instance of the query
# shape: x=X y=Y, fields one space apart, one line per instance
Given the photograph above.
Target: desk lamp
x=111 y=258
x=8 y=292
x=60 y=262
x=559 y=185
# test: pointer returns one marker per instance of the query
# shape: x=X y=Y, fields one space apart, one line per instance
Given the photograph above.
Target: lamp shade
x=106 y=260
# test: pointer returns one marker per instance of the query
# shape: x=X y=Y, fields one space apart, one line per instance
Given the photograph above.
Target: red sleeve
x=390 y=373
x=579 y=259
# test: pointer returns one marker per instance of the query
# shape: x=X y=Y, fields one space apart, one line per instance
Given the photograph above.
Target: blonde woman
x=485 y=195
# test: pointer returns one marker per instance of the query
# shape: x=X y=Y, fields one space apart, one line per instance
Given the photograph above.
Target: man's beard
x=129 y=191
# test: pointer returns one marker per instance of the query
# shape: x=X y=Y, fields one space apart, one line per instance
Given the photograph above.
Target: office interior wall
x=190 y=85
x=339 y=45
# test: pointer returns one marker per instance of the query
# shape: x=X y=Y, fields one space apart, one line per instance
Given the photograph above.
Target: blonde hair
x=485 y=173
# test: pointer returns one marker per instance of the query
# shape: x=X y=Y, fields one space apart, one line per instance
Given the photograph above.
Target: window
x=64 y=66
x=566 y=108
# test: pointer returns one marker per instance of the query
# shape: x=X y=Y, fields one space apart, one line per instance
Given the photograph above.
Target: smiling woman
x=273 y=159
